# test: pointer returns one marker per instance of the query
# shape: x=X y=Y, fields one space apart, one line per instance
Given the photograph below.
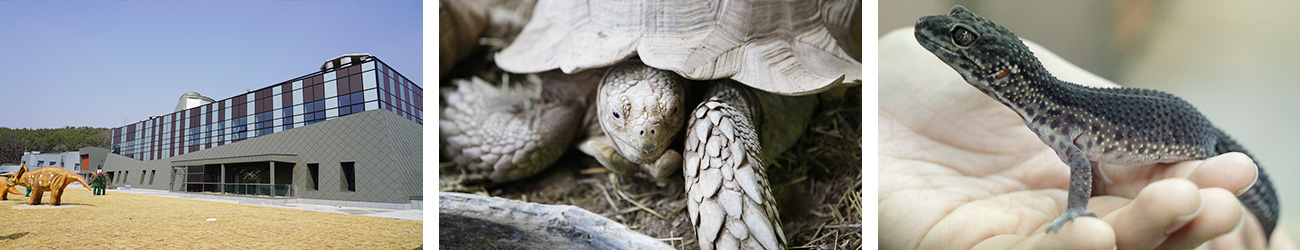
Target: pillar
x=222 y=187
x=272 y=179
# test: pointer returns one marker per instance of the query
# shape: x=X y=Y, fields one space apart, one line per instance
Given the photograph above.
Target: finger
x=1081 y=233
x=1231 y=171
x=1234 y=172
x=1157 y=211
x=1220 y=215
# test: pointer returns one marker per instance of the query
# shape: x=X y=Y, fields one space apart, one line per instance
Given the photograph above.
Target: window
x=287 y=120
x=141 y=178
x=349 y=176
x=238 y=128
x=193 y=136
x=352 y=103
x=315 y=175
x=152 y=173
x=221 y=132
x=264 y=123
x=313 y=112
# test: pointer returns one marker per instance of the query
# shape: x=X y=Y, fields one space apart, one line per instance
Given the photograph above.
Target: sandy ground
x=129 y=221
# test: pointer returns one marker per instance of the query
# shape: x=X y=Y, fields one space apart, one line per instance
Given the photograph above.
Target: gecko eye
x=962 y=35
x=616 y=116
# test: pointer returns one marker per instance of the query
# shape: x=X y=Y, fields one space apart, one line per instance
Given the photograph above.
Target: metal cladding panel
x=386 y=151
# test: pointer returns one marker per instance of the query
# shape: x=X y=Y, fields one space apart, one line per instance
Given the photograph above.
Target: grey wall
x=385 y=148
x=126 y=170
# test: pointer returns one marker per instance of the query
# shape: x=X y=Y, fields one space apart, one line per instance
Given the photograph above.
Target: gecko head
x=984 y=53
x=641 y=109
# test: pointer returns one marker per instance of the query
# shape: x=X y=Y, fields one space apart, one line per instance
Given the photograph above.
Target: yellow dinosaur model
x=12 y=190
x=52 y=179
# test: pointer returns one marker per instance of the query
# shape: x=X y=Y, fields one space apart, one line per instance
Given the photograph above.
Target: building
x=349 y=132
x=6 y=169
x=68 y=160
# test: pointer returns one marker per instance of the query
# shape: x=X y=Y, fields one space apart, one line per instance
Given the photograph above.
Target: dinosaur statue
x=12 y=190
x=52 y=179
x=98 y=182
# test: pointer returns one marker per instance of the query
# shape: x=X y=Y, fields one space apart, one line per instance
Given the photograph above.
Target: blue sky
x=109 y=64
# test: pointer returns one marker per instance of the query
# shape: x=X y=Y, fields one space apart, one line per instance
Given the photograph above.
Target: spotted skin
x=1084 y=125
x=53 y=179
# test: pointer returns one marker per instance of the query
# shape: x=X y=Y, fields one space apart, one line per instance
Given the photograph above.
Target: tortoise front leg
x=728 y=195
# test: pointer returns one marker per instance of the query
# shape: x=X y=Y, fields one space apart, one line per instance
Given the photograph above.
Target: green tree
x=13 y=142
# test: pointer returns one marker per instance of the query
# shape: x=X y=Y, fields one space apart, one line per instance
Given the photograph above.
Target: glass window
x=358 y=97
x=314 y=112
x=314 y=169
x=349 y=180
x=287 y=120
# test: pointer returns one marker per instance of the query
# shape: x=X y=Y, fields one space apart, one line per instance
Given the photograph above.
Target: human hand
x=960 y=170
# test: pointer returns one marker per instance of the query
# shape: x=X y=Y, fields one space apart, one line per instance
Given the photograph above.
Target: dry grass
x=129 y=221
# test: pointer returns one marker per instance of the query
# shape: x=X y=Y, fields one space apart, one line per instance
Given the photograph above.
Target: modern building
x=349 y=132
x=68 y=160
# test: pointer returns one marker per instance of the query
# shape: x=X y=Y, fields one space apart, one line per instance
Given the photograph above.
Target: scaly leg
x=1080 y=187
x=728 y=194
x=508 y=134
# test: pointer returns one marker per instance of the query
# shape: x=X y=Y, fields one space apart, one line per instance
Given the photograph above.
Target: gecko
x=1084 y=125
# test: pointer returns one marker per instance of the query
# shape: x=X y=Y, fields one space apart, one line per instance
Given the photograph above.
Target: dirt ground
x=818 y=185
x=129 y=221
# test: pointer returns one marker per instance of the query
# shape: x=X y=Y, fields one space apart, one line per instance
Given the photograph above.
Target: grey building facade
x=350 y=132
x=67 y=160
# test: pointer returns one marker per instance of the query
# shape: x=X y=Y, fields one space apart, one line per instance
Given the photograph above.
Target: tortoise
x=761 y=61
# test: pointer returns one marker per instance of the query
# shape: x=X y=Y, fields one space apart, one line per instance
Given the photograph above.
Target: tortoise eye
x=962 y=35
x=616 y=116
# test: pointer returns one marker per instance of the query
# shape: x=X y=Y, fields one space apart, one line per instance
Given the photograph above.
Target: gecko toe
x=1068 y=216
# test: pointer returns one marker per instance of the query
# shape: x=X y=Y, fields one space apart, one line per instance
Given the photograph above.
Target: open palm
x=960 y=170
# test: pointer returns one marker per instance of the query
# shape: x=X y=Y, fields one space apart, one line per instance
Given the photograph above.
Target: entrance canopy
x=246 y=175
x=238 y=159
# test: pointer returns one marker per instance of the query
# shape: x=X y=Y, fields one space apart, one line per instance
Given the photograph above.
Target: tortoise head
x=641 y=109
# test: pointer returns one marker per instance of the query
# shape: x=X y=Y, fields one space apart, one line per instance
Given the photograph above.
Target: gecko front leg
x=1080 y=185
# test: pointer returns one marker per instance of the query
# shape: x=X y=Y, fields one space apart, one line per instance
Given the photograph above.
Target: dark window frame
x=348 y=176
